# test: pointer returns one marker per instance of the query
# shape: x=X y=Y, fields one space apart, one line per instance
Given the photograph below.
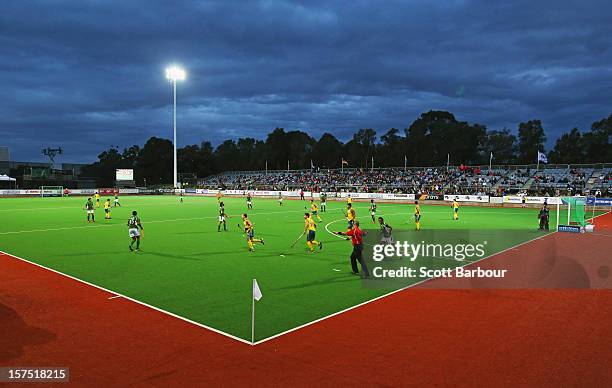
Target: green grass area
x=186 y=267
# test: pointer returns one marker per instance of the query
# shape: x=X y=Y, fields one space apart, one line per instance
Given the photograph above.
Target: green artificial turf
x=186 y=267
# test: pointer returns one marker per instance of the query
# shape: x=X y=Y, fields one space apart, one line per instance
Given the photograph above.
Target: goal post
x=51 y=191
x=571 y=214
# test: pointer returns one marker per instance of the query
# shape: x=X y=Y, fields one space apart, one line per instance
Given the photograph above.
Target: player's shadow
x=336 y=279
x=16 y=334
x=197 y=232
x=200 y=256
x=304 y=255
x=176 y=257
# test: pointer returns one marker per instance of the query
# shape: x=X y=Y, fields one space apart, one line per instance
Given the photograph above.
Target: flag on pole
x=344 y=162
x=491 y=157
x=311 y=164
x=257 y=295
x=542 y=157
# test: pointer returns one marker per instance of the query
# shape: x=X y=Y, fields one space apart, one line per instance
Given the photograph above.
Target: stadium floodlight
x=173 y=74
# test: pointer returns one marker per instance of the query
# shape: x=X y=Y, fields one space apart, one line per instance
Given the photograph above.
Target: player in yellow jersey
x=315 y=210
x=107 y=204
x=310 y=228
x=250 y=233
x=349 y=200
x=455 y=207
x=97 y=196
x=350 y=216
x=417 y=215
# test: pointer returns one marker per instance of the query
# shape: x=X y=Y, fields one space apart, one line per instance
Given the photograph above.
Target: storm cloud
x=85 y=75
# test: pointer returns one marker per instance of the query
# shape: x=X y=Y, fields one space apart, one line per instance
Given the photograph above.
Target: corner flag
x=256 y=291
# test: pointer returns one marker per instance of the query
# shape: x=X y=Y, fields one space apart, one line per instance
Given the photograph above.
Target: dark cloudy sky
x=88 y=74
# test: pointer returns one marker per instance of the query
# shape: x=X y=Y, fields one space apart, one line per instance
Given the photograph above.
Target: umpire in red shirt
x=357 y=255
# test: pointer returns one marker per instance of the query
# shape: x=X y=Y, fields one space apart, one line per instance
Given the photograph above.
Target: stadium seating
x=553 y=180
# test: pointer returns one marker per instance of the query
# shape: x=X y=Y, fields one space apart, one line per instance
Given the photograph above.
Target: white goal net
x=51 y=191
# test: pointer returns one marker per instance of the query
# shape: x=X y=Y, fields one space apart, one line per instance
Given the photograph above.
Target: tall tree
x=391 y=151
x=276 y=149
x=437 y=134
x=156 y=161
x=503 y=146
x=361 y=148
x=597 y=142
x=568 y=148
x=300 y=146
x=227 y=156
x=327 y=152
x=531 y=139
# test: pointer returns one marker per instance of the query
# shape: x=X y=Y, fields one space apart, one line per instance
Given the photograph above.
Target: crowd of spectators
x=440 y=180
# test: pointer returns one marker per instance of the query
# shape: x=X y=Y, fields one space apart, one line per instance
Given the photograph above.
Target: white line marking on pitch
x=131 y=299
x=399 y=290
x=388 y=294
x=89 y=226
x=114 y=297
x=271 y=337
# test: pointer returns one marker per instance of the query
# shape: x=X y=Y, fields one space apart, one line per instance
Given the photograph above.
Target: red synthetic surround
x=417 y=336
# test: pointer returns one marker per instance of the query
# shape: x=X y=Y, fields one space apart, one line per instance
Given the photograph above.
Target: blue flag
x=542 y=157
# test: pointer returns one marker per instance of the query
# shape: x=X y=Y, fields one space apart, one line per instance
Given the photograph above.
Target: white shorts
x=134 y=232
x=373 y=213
x=249 y=203
x=116 y=201
x=90 y=212
x=221 y=218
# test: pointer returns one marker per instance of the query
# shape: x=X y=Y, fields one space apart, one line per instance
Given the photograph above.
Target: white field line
x=130 y=205
x=89 y=226
x=230 y=335
x=391 y=293
x=402 y=289
x=117 y=294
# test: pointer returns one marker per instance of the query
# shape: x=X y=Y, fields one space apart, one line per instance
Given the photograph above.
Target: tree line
x=426 y=142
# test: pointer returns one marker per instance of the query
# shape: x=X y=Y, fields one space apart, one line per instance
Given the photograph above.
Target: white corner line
x=284 y=332
x=395 y=291
x=117 y=294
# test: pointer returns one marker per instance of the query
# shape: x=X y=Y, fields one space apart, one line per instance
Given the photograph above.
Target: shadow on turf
x=17 y=335
x=344 y=277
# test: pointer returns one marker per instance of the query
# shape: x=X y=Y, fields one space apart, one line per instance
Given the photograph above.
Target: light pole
x=173 y=74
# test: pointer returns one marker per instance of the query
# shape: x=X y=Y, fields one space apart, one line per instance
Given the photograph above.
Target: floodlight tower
x=51 y=153
x=173 y=74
